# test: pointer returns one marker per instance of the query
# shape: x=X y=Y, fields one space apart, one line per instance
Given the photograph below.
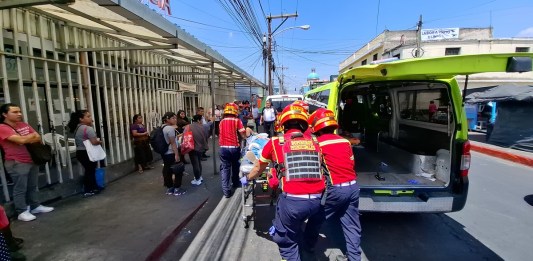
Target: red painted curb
x=165 y=244
x=524 y=160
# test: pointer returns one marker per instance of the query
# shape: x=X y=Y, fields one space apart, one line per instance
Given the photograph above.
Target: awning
x=135 y=23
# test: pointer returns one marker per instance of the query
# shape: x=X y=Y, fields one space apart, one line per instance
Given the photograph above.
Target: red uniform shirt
x=228 y=131
x=13 y=150
x=273 y=152
x=338 y=157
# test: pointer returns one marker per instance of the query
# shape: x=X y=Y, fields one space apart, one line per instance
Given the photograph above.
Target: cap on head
x=321 y=119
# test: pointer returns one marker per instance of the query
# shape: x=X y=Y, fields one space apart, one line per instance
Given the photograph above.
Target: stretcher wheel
x=246 y=222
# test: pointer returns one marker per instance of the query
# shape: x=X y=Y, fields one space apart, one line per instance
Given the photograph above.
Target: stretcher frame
x=250 y=196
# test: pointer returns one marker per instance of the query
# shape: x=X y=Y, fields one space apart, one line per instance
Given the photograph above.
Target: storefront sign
x=187 y=87
x=440 y=34
x=162 y=4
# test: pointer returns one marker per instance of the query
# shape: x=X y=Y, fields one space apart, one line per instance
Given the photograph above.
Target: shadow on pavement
x=409 y=237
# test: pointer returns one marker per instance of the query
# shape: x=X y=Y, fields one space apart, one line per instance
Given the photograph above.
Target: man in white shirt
x=268 y=117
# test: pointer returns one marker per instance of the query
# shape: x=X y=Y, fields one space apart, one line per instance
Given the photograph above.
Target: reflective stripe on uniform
x=337 y=141
x=264 y=160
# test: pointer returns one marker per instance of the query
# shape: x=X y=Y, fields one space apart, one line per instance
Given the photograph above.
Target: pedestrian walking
x=141 y=144
x=296 y=157
x=268 y=117
x=14 y=133
x=200 y=146
x=230 y=127
x=342 y=200
x=172 y=167
x=81 y=124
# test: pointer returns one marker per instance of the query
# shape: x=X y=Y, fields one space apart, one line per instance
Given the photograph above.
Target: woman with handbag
x=200 y=146
x=141 y=144
x=18 y=162
x=80 y=124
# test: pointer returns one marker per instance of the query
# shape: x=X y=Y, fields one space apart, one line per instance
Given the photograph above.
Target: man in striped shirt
x=229 y=148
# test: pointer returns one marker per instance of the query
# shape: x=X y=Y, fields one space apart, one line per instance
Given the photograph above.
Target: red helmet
x=322 y=118
x=294 y=112
x=231 y=108
x=304 y=104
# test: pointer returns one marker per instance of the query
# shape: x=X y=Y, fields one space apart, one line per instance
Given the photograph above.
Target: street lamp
x=303 y=27
x=269 y=49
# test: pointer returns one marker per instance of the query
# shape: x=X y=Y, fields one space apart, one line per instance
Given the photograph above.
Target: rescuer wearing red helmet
x=302 y=103
x=297 y=160
x=229 y=151
x=342 y=192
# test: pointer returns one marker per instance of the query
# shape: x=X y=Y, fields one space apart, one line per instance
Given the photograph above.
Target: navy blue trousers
x=343 y=203
x=291 y=214
x=229 y=168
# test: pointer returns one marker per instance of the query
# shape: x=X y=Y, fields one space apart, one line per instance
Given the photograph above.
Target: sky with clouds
x=338 y=28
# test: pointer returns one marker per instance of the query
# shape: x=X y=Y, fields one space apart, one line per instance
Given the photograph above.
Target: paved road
x=496 y=224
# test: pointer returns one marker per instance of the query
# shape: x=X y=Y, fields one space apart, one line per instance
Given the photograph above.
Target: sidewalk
x=478 y=144
x=130 y=220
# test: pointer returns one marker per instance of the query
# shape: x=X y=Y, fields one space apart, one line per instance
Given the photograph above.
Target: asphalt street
x=495 y=224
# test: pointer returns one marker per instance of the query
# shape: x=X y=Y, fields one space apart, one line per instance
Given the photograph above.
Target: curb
x=502 y=154
x=158 y=252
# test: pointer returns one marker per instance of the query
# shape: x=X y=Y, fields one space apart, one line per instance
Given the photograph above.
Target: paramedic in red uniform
x=342 y=190
x=304 y=105
x=230 y=152
x=300 y=200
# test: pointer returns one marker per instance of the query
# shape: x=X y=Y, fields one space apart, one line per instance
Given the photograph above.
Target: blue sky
x=338 y=28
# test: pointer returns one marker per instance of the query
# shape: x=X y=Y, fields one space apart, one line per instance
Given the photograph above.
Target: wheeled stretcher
x=257 y=193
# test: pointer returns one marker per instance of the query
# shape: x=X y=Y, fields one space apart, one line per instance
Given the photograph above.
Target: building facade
x=403 y=45
x=113 y=58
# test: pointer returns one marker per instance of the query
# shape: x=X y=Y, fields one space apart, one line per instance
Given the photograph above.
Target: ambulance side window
x=425 y=105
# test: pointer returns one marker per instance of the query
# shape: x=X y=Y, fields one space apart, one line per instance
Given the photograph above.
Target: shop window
x=452 y=51
x=424 y=105
x=522 y=49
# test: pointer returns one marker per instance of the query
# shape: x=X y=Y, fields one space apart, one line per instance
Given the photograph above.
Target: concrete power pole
x=282 y=80
x=269 y=43
x=419 y=38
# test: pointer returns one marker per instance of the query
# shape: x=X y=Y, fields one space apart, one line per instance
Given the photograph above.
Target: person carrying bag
x=19 y=163
x=88 y=149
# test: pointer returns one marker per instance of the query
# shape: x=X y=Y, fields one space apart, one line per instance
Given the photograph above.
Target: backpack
x=158 y=141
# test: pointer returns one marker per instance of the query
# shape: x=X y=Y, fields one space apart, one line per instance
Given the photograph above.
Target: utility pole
x=264 y=62
x=282 y=80
x=269 y=42
x=419 y=38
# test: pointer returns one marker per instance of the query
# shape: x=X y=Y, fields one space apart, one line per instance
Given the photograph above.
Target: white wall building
x=450 y=41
